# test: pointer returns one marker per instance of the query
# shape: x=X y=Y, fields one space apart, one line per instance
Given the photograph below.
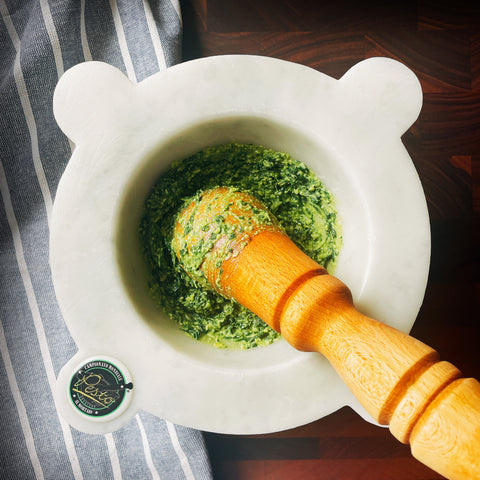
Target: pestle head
x=214 y=226
x=228 y=240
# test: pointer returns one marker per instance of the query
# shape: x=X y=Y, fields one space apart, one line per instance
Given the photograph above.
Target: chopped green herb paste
x=292 y=193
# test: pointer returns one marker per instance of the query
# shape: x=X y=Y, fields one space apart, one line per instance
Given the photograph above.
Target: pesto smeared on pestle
x=215 y=226
x=291 y=192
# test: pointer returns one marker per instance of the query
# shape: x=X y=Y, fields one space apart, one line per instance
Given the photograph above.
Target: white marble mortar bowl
x=347 y=131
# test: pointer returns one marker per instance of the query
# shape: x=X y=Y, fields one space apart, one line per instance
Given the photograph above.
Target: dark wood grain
x=440 y=41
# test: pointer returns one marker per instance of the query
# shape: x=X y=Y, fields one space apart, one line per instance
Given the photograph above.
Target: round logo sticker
x=99 y=388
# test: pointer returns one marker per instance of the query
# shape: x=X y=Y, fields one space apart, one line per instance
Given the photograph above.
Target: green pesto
x=291 y=192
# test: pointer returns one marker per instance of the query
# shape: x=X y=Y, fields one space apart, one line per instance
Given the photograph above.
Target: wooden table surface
x=440 y=42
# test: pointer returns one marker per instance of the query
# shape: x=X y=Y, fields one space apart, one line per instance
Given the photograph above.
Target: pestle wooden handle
x=227 y=239
x=399 y=380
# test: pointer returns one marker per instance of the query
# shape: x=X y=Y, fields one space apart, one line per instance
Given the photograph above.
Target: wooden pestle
x=399 y=380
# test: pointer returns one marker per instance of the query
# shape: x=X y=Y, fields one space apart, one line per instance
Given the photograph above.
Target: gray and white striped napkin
x=39 y=40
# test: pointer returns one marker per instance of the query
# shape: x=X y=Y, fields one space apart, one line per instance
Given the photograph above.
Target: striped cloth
x=39 y=40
